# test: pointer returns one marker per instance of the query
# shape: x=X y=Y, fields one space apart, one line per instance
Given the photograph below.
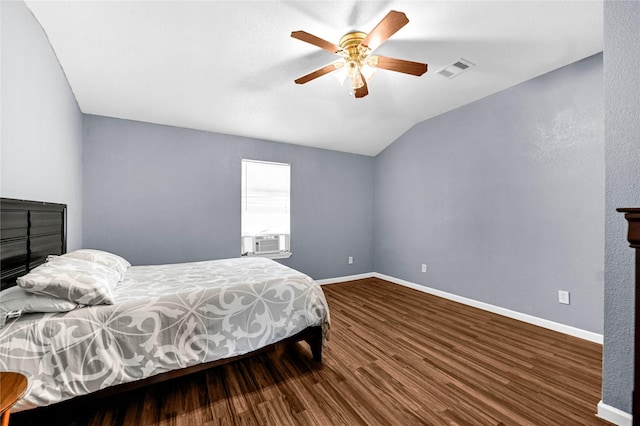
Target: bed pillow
x=113 y=261
x=62 y=262
x=16 y=301
x=76 y=280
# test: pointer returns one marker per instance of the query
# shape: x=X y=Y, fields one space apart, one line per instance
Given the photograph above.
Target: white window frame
x=249 y=239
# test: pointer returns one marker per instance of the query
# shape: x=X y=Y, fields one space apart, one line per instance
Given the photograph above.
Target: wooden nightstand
x=12 y=387
x=633 y=217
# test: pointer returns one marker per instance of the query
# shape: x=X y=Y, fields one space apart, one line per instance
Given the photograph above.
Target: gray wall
x=622 y=153
x=503 y=199
x=41 y=146
x=160 y=194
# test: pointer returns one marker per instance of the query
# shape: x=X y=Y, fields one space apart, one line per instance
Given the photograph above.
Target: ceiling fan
x=355 y=48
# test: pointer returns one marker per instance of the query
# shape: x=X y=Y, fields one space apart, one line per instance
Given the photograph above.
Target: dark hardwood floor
x=396 y=357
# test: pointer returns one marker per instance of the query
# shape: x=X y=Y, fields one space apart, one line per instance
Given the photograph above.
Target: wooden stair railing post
x=633 y=217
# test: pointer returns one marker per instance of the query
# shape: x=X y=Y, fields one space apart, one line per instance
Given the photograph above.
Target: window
x=265 y=209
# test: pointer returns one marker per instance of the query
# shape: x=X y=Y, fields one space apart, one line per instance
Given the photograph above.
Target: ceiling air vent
x=456 y=68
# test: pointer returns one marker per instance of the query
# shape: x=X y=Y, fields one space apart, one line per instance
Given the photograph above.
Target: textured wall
x=503 y=199
x=159 y=194
x=41 y=133
x=622 y=136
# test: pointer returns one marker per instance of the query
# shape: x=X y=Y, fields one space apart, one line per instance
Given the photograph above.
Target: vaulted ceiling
x=229 y=66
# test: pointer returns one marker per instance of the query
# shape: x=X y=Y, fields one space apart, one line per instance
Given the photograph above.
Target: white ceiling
x=229 y=66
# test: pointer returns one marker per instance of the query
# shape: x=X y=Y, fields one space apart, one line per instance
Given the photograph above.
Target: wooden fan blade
x=389 y=25
x=362 y=91
x=400 y=65
x=316 y=41
x=318 y=73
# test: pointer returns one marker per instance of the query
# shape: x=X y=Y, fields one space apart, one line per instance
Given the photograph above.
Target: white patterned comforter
x=165 y=317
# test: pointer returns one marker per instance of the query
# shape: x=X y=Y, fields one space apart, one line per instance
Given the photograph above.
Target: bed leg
x=315 y=343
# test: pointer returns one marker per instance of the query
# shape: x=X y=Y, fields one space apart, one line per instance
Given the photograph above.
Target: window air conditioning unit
x=266 y=244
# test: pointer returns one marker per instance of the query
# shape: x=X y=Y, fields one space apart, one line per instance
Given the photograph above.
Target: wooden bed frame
x=32 y=230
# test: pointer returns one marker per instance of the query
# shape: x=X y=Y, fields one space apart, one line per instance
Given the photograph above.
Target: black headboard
x=29 y=232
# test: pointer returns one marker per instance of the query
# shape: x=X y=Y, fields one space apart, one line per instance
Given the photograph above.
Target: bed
x=157 y=322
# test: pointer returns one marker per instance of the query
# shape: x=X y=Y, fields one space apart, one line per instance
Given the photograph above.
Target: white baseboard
x=614 y=415
x=541 y=322
x=551 y=325
x=347 y=278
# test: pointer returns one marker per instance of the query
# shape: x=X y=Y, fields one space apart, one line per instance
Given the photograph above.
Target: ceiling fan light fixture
x=355 y=56
x=357 y=81
x=368 y=67
x=352 y=68
x=341 y=72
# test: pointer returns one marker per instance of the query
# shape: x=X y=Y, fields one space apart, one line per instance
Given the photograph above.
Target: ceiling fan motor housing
x=353 y=50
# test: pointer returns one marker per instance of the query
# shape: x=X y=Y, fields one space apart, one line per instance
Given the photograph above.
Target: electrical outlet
x=563 y=297
x=350 y=260
x=424 y=267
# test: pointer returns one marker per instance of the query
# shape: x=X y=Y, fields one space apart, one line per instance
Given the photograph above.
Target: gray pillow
x=16 y=301
x=76 y=280
x=113 y=261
